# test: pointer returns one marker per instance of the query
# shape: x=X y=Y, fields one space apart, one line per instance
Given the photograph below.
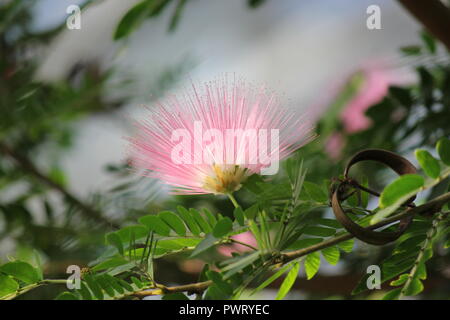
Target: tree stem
x=433 y=15
x=26 y=165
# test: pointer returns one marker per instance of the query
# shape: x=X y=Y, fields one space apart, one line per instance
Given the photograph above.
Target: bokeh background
x=69 y=97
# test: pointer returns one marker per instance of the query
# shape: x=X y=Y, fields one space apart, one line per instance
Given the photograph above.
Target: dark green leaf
x=319 y=231
x=189 y=220
x=255 y=3
x=203 y=224
x=219 y=282
x=303 y=243
x=223 y=227
x=132 y=19
x=315 y=192
x=411 y=50
x=155 y=224
x=415 y=287
x=393 y=294
x=206 y=243
x=443 y=149
x=131 y=233
x=173 y=221
x=110 y=263
x=429 y=41
x=239 y=216
x=7 y=285
x=94 y=286
x=177 y=14
x=113 y=239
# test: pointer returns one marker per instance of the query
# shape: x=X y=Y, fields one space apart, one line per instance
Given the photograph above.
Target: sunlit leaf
x=428 y=163
x=288 y=282
x=312 y=264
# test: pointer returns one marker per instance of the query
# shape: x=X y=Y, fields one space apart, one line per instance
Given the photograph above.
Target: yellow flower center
x=225 y=179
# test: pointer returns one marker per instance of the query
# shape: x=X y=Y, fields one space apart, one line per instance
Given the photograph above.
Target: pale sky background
x=299 y=48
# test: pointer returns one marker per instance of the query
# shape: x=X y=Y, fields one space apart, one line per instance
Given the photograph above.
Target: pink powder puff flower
x=210 y=139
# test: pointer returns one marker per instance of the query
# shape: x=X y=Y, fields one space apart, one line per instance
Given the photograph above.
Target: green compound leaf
x=173 y=221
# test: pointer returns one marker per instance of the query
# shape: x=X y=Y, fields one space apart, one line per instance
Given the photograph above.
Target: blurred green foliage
x=148 y=242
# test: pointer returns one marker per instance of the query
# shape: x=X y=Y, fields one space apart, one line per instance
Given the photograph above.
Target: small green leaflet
x=7 y=285
x=173 y=221
x=21 y=271
x=222 y=227
x=154 y=223
x=315 y=192
x=397 y=193
x=288 y=281
x=239 y=216
x=428 y=163
x=443 y=150
x=271 y=279
x=331 y=254
x=204 y=245
x=312 y=264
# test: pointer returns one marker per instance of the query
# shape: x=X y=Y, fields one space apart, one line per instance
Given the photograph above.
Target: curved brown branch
x=434 y=16
x=30 y=168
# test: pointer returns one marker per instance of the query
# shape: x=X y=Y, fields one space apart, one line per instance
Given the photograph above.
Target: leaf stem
x=427 y=242
x=233 y=200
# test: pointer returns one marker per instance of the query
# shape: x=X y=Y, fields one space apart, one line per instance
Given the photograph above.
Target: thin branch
x=29 y=167
x=30 y=287
x=428 y=240
x=198 y=287
x=429 y=208
x=243 y=244
x=434 y=15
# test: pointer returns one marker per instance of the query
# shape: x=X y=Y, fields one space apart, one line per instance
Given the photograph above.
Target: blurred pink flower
x=334 y=145
x=216 y=107
x=246 y=237
x=374 y=88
